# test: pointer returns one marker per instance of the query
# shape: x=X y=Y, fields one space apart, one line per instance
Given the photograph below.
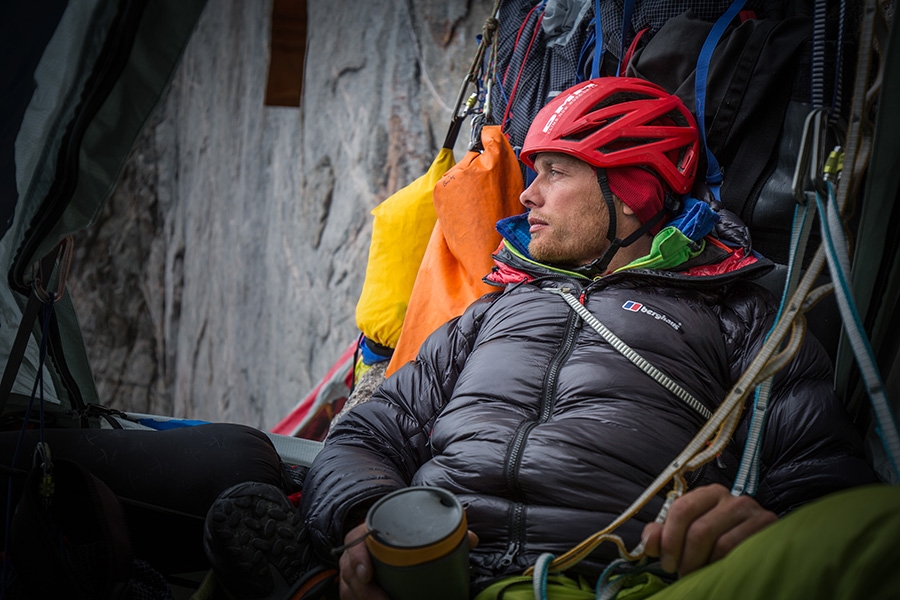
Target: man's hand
x=703 y=526
x=356 y=568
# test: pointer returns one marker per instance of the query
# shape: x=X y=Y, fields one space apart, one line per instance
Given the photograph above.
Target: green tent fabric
x=79 y=93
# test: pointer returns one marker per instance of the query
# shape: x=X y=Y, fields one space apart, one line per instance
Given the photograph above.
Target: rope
x=541 y=571
x=860 y=136
x=748 y=472
x=488 y=31
x=838 y=262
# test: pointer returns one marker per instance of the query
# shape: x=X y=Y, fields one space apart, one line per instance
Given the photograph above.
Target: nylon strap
x=26 y=325
x=40 y=295
x=713 y=171
x=598 y=42
x=748 y=473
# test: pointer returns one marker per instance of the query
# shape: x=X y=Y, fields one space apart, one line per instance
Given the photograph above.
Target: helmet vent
x=620 y=98
x=624 y=143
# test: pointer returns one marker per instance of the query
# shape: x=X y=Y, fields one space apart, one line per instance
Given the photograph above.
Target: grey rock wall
x=221 y=280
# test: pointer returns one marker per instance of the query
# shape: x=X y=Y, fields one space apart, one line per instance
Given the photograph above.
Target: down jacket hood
x=699 y=242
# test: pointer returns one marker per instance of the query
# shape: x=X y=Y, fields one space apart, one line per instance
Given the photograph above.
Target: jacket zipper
x=573 y=324
x=514 y=458
x=515 y=527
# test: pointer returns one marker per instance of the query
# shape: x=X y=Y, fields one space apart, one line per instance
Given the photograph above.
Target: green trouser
x=845 y=546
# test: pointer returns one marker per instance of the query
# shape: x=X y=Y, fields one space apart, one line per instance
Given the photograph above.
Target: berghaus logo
x=633 y=306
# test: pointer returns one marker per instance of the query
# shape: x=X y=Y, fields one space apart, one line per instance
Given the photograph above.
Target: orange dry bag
x=470 y=198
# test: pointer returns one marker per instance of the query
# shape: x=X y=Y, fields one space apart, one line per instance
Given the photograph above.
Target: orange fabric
x=469 y=199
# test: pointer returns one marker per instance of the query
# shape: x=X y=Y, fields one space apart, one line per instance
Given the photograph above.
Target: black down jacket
x=546 y=433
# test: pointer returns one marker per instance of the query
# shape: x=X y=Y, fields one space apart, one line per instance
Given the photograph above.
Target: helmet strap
x=600 y=265
x=615 y=243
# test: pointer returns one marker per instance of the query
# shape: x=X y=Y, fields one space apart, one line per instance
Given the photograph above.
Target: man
x=546 y=432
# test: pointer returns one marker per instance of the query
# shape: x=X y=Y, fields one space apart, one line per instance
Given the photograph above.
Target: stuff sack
x=400 y=233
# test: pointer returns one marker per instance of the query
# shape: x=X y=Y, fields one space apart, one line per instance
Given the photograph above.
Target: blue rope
x=836 y=252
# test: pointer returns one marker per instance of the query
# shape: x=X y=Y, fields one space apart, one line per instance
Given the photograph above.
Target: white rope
x=541 y=572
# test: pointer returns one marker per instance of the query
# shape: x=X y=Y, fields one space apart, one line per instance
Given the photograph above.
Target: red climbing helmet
x=618 y=122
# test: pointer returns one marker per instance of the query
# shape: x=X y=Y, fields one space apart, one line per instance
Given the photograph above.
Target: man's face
x=568 y=219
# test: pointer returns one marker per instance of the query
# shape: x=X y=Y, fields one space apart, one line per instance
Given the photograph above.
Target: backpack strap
x=713 y=171
x=595 y=37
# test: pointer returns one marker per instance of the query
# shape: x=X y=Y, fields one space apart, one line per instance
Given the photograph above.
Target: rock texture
x=221 y=280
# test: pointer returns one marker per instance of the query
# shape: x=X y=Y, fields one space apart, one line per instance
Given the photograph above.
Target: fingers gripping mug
x=419 y=545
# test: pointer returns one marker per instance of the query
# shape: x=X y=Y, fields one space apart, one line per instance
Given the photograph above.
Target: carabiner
x=808 y=174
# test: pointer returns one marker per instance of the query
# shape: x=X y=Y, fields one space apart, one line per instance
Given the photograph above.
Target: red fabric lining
x=736 y=260
x=504 y=274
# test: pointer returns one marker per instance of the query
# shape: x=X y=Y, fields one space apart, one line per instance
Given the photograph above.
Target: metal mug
x=419 y=545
